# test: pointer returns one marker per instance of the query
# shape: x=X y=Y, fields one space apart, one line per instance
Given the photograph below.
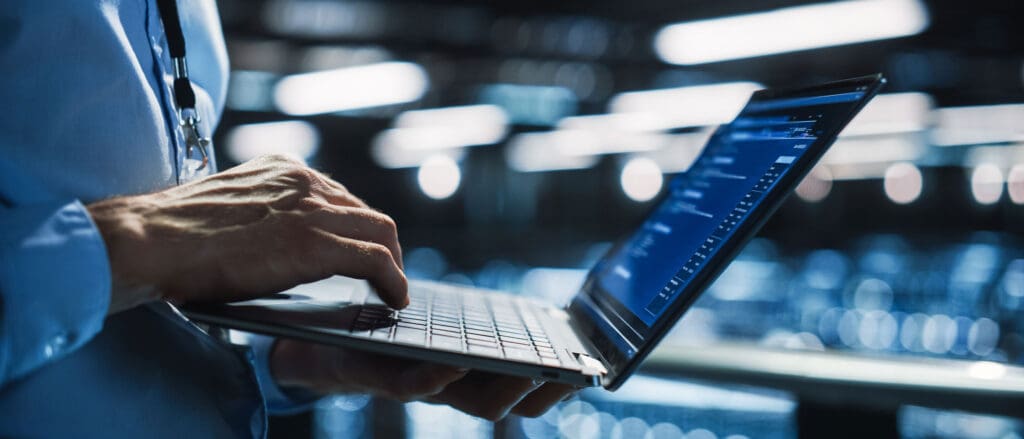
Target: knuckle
x=389 y=224
x=283 y=159
x=379 y=254
x=314 y=205
x=288 y=199
x=305 y=175
x=300 y=176
x=328 y=179
x=384 y=222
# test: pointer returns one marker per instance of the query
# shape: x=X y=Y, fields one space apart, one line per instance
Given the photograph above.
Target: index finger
x=364 y=260
x=486 y=395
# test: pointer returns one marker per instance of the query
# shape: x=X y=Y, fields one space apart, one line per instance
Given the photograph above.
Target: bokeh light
x=439 y=177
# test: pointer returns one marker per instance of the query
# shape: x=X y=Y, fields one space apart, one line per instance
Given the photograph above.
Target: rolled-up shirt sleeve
x=54 y=283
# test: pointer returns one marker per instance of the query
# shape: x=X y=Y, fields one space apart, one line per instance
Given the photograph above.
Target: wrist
x=120 y=223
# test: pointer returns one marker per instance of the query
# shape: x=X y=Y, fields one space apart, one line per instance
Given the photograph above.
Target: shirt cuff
x=279 y=401
x=54 y=284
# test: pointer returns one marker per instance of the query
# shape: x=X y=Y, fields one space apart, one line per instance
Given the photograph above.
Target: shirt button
x=56 y=345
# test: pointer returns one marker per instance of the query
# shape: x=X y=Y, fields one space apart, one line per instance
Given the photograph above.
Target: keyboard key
x=484 y=351
x=513 y=332
x=445 y=333
x=451 y=332
x=519 y=332
x=479 y=332
x=410 y=336
x=547 y=354
x=478 y=342
x=521 y=355
x=445 y=320
x=550 y=362
x=383 y=334
x=446 y=343
x=444 y=323
x=513 y=342
x=522 y=339
x=477 y=324
x=485 y=339
x=412 y=324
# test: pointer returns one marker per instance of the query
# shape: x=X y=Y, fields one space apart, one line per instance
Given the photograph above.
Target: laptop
x=631 y=298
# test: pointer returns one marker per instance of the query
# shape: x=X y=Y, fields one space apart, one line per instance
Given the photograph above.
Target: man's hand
x=326 y=369
x=254 y=230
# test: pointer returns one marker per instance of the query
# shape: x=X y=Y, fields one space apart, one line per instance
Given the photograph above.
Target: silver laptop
x=632 y=297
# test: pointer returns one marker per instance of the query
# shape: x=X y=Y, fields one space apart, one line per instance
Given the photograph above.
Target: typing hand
x=254 y=230
x=326 y=369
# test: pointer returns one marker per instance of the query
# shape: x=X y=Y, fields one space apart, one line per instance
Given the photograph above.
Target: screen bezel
x=619 y=367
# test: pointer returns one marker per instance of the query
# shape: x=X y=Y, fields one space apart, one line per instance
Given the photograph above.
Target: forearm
x=254 y=230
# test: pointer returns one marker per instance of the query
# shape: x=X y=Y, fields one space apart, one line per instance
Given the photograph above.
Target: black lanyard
x=184 y=95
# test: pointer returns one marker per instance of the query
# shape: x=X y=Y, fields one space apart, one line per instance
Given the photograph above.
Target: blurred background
x=513 y=141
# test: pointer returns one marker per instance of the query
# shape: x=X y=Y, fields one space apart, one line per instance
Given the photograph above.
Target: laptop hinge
x=594 y=354
x=591 y=362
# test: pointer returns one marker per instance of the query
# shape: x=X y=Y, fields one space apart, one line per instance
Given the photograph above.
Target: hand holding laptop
x=266 y=226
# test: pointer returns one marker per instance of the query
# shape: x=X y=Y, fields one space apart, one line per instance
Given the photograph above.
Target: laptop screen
x=709 y=211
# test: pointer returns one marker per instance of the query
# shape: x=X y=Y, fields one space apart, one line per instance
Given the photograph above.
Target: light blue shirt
x=88 y=114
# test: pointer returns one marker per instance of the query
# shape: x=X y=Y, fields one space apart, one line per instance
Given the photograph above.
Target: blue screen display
x=742 y=162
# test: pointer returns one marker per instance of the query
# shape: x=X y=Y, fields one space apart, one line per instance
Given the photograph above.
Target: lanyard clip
x=193 y=139
x=185 y=101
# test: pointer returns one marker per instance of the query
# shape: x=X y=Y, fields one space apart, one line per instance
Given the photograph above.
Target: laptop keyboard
x=447 y=318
